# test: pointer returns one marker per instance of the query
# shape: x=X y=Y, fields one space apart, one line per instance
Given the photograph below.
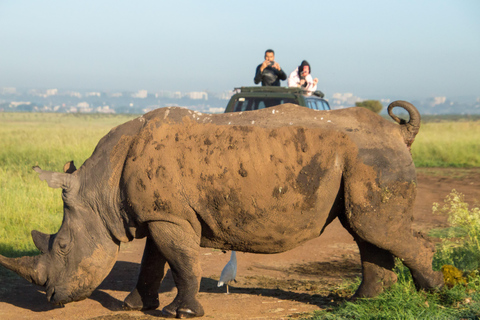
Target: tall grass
x=447 y=144
x=47 y=140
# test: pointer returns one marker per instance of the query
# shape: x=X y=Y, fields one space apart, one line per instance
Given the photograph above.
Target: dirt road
x=269 y=286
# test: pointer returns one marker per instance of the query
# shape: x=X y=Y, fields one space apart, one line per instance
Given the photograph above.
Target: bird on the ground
x=229 y=272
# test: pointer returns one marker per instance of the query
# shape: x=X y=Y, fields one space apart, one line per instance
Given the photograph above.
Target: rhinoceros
x=261 y=181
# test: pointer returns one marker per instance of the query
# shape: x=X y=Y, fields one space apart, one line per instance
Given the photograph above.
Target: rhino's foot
x=172 y=311
x=134 y=301
x=182 y=313
x=431 y=282
x=375 y=281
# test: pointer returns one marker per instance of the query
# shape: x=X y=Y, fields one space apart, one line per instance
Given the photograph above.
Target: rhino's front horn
x=26 y=267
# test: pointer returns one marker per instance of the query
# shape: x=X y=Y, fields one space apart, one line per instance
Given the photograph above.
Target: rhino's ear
x=41 y=240
x=54 y=179
x=69 y=167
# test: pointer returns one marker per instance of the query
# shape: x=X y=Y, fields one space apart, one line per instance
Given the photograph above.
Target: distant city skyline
x=372 y=49
x=141 y=101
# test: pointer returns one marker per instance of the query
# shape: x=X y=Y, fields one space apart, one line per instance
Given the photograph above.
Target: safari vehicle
x=254 y=98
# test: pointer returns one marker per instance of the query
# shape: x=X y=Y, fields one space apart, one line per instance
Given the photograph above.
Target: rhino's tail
x=411 y=127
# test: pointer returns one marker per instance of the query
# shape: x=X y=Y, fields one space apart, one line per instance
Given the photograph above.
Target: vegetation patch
x=459 y=299
x=461 y=242
x=447 y=144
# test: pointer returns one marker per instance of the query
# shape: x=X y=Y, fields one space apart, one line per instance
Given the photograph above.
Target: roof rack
x=317 y=93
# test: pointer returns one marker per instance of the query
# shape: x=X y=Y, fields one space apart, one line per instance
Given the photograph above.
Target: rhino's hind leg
x=378 y=262
x=380 y=216
x=377 y=266
x=181 y=250
x=397 y=238
x=417 y=255
x=152 y=271
x=385 y=223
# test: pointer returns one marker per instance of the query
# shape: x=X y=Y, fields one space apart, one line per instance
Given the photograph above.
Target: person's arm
x=258 y=75
x=293 y=79
x=311 y=83
x=279 y=71
x=281 y=74
x=312 y=87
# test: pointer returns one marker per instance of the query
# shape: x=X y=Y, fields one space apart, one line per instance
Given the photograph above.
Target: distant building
x=104 y=109
x=51 y=92
x=343 y=100
x=93 y=94
x=438 y=100
x=8 y=90
x=225 y=95
x=216 y=110
x=197 y=95
x=74 y=94
x=84 y=107
x=141 y=94
x=15 y=104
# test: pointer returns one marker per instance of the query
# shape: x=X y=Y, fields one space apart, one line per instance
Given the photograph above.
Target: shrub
x=373 y=105
x=461 y=244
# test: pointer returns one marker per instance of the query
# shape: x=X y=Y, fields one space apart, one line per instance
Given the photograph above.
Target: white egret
x=229 y=272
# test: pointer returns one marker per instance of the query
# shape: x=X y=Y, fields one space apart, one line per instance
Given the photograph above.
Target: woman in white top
x=301 y=78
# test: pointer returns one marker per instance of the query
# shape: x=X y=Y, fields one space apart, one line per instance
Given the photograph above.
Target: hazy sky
x=408 y=49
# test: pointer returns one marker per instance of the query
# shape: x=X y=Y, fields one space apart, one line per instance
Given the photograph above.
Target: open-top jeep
x=254 y=98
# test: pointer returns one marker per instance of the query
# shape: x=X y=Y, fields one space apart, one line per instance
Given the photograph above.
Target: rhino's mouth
x=59 y=297
x=56 y=297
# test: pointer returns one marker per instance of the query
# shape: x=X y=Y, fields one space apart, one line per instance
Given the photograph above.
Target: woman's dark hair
x=303 y=64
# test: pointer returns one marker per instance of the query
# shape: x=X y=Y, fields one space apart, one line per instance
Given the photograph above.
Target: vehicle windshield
x=248 y=104
x=317 y=104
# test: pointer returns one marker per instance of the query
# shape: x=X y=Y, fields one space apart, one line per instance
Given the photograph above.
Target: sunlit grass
x=447 y=144
x=49 y=141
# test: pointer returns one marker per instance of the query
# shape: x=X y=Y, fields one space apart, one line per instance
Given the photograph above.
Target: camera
x=272 y=63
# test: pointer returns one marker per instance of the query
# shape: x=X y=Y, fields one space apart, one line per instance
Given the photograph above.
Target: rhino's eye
x=64 y=245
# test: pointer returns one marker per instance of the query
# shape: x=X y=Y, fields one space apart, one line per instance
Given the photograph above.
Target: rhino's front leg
x=180 y=246
x=152 y=271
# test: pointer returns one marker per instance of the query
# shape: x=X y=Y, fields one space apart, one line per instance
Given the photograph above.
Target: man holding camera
x=269 y=71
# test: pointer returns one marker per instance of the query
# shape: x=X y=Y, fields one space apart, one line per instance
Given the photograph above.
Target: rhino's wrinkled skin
x=262 y=181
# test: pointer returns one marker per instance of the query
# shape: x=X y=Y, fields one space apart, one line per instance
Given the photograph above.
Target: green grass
x=48 y=140
x=447 y=144
x=402 y=301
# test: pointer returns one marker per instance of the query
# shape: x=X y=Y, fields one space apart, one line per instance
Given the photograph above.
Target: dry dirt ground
x=277 y=286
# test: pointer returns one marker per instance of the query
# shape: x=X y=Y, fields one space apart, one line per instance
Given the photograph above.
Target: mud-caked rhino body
x=263 y=181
